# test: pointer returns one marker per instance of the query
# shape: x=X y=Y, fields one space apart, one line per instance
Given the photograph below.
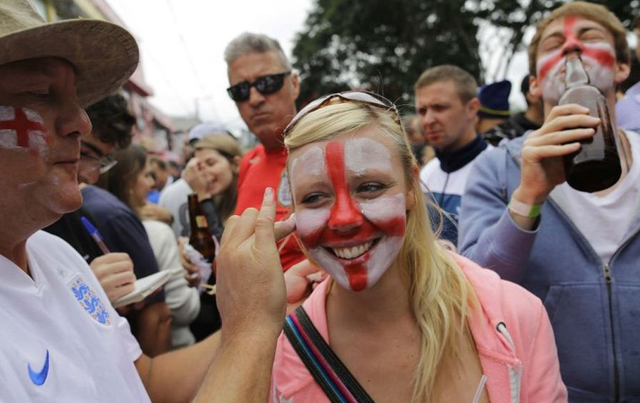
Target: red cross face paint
x=22 y=129
x=581 y=35
x=350 y=207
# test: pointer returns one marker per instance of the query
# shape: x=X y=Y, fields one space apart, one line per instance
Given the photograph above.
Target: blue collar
x=453 y=160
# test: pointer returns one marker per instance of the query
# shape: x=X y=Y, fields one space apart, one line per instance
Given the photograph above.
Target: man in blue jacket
x=577 y=251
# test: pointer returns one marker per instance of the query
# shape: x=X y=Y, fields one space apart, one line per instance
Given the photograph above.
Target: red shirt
x=260 y=169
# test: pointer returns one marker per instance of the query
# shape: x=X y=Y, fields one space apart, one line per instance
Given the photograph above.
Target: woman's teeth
x=352 y=252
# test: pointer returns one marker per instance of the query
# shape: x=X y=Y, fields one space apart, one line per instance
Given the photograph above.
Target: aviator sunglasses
x=265 y=85
x=364 y=97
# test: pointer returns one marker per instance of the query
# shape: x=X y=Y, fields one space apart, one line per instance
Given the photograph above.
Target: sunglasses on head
x=363 y=97
x=268 y=84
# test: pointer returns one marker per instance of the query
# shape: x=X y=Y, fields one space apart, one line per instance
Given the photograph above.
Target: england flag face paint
x=22 y=129
x=350 y=207
x=568 y=35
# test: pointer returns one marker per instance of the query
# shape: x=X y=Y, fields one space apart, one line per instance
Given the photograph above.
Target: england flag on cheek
x=22 y=129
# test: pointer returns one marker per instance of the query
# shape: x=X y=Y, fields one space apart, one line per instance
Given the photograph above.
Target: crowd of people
x=361 y=255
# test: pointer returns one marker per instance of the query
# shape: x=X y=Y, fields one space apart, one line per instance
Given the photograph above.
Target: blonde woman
x=399 y=319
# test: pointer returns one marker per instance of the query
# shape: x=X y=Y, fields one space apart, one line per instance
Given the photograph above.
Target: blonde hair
x=439 y=293
x=590 y=11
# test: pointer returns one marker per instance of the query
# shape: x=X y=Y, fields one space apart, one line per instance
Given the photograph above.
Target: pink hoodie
x=513 y=336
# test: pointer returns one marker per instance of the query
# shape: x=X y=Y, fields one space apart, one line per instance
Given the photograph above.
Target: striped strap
x=327 y=369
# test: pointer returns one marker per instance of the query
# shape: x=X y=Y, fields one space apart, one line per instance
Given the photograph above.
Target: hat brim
x=104 y=55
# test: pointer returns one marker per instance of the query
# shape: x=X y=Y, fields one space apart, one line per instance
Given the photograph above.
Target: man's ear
x=534 y=88
x=473 y=106
x=235 y=162
x=622 y=71
x=295 y=82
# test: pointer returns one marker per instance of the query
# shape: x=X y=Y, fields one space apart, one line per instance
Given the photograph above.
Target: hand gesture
x=198 y=178
x=250 y=285
x=301 y=279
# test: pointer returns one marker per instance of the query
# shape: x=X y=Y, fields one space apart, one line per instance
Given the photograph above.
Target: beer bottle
x=200 y=238
x=596 y=166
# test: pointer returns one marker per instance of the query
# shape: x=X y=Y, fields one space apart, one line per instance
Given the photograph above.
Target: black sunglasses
x=364 y=97
x=269 y=84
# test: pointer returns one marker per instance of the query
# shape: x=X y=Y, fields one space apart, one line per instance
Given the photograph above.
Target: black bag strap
x=295 y=330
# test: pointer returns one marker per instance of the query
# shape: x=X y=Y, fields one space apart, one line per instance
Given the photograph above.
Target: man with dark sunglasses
x=264 y=89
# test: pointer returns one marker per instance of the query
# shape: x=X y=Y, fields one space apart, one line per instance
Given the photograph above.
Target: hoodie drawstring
x=515 y=372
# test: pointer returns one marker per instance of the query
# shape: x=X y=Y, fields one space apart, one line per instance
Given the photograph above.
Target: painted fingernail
x=268 y=193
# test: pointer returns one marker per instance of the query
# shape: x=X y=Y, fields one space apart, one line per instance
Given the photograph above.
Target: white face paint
x=570 y=35
x=350 y=208
x=362 y=154
x=22 y=129
x=600 y=76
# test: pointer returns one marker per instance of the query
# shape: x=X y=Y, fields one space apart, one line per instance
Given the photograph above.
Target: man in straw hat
x=61 y=340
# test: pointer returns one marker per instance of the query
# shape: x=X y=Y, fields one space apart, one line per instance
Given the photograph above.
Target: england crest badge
x=90 y=301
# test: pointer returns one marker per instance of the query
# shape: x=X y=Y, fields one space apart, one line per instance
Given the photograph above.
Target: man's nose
x=572 y=45
x=72 y=120
x=429 y=118
x=255 y=97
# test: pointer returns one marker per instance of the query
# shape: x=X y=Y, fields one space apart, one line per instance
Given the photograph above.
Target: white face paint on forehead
x=362 y=154
x=310 y=163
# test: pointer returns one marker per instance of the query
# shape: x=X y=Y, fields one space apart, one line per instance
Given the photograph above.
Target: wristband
x=523 y=209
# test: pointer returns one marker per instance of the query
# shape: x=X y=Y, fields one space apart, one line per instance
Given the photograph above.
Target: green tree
x=513 y=19
x=385 y=45
x=382 y=45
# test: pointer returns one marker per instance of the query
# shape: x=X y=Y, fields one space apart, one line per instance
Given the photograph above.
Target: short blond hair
x=466 y=85
x=590 y=11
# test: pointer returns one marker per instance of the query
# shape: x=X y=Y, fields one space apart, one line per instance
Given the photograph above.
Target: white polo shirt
x=60 y=339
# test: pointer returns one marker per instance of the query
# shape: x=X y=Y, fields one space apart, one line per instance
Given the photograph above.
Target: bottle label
x=201 y=221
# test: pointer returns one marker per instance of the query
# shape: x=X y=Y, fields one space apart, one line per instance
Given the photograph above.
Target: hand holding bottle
x=542 y=166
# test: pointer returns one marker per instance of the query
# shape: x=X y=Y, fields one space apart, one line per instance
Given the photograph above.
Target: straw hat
x=104 y=55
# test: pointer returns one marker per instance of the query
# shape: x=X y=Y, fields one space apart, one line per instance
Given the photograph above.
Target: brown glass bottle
x=596 y=166
x=200 y=238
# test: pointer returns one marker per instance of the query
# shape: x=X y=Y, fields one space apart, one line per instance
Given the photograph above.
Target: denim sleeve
x=487 y=233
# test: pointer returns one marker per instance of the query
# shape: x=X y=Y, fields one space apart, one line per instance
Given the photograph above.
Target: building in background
x=153 y=129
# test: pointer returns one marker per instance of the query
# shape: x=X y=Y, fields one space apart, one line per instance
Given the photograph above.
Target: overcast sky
x=183 y=41
x=182 y=44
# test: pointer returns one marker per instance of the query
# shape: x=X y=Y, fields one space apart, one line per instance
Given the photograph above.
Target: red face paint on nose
x=345 y=215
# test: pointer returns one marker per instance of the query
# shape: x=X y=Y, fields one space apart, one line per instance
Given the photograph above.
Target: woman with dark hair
x=130 y=180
